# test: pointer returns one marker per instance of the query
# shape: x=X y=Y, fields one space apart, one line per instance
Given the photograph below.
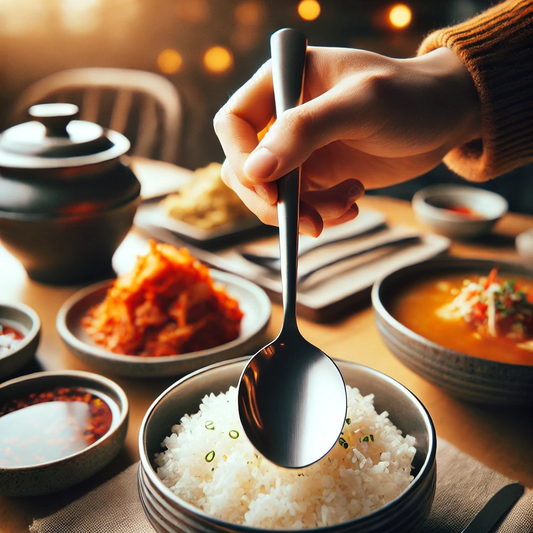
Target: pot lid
x=56 y=139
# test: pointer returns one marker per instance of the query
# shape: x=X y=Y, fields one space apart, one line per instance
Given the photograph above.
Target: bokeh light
x=400 y=16
x=81 y=16
x=193 y=11
x=218 y=60
x=309 y=9
x=169 y=61
x=250 y=13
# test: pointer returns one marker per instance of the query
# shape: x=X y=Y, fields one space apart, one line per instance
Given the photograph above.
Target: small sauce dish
x=20 y=329
x=57 y=429
x=458 y=211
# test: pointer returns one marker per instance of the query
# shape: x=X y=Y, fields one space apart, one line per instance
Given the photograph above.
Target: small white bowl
x=430 y=207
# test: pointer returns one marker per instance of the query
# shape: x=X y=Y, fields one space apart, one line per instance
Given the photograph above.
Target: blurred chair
x=144 y=106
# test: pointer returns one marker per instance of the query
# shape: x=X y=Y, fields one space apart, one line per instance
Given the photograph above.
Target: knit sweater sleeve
x=497 y=49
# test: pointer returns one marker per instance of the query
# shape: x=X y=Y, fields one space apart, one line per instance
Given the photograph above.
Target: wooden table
x=500 y=438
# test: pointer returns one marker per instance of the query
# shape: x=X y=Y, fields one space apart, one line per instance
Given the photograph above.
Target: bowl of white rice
x=200 y=473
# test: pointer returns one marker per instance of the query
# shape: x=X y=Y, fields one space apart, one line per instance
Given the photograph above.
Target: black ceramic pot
x=67 y=198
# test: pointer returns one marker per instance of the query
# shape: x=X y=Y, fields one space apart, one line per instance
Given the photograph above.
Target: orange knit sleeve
x=497 y=48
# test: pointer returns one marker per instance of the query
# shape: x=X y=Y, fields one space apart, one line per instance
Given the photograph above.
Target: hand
x=366 y=121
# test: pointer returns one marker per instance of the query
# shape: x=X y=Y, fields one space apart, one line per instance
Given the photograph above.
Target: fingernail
x=307 y=228
x=218 y=116
x=261 y=164
x=355 y=193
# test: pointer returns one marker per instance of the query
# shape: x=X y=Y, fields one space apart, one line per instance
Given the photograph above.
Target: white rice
x=242 y=487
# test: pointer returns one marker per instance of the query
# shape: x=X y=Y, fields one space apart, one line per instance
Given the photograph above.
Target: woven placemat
x=464 y=485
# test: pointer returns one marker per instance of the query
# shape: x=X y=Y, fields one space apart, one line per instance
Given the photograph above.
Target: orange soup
x=484 y=316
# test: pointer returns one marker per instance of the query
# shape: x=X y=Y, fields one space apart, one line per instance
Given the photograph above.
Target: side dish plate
x=150 y=215
x=253 y=302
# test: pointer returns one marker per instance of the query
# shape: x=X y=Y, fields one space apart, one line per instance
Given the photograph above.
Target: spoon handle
x=288 y=49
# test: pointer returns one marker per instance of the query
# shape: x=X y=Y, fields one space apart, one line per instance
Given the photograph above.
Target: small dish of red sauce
x=463 y=211
x=10 y=338
x=58 y=428
x=52 y=424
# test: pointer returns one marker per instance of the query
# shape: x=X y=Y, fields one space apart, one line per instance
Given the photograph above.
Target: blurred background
x=209 y=48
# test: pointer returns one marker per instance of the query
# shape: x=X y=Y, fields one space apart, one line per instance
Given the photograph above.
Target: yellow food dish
x=206 y=202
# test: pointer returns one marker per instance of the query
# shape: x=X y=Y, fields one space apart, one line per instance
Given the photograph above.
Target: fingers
x=290 y=141
x=318 y=209
x=332 y=203
x=337 y=107
x=293 y=137
x=350 y=214
x=310 y=220
x=266 y=212
x=334 y=206
x=247 y=112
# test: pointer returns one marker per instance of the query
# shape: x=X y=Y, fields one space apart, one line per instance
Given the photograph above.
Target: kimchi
x=168 y=304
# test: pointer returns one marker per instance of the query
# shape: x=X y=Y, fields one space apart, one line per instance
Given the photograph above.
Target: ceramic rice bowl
x=169 y=513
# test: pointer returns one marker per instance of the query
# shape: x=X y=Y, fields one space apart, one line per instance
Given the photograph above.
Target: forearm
x=497 y=49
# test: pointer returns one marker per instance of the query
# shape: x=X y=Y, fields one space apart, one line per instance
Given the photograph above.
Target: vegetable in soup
x=490 y=317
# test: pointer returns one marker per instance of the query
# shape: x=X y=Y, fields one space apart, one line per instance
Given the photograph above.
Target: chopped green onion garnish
x=234 y=434
x=210 y=425
x=343 y=442
x=508 y=285
x=210 y=456
x=366 y=438
x=348 y=421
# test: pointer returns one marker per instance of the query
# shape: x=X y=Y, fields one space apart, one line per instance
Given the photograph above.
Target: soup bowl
x=169 y=513
x=464 y=376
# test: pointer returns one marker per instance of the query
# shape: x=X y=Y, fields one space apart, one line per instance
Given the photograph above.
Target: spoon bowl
x=291 y=421
x=291 y=395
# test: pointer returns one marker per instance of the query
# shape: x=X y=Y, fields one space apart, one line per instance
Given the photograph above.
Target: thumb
x=293 y=137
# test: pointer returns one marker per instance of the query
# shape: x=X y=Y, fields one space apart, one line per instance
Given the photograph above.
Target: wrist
x=456 y=90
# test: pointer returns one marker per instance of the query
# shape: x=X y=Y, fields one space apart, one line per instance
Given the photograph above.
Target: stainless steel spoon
x=292 y=397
